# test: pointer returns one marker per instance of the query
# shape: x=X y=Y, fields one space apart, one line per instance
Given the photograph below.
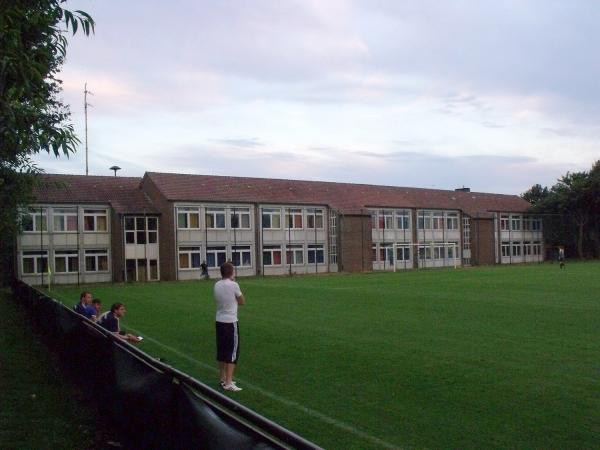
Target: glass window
x=294 y=254
x=241 y=256
x=516 y=249
x=271 y=218
x=65 y=219
x=403 y=253
x=240 y=218
x=35 y=262
x=188 y=218
x=95 y=220
x=215 y=218
x=516 y=223
x=315 y=254
x=504 y=222
x=271 y=255
x=96 y=260
x=34 y=220
x=403 y=220
x=314 y=218
x=505 y=249
x=216 y=256
x=189 y=258
x=452 y=221
x=438 y=220
x=293 y=218
x=66 y=261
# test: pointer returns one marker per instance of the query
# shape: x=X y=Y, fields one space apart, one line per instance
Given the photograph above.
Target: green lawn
x=496 y=357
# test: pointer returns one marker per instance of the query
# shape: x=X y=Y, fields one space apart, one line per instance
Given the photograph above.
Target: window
x=424 y=220
x=504 y=222
x=34 y=220
x=438 y=251
x=452 y=221
x=374 y=252
x=536 y=224
x=403 y=220
x=438 y=221
x=403 y=253
x=386 y=219
x=466 y=233
x=64 y=219
x=314 y=218
x=537 y=248
x=527 y=250
x=505 y=249
x=188 y=218
x=294 y=254
x=215 y=219
x=271 y=218
x=35 y=262
x=66 y=261
x=315 y=254
x=216 y=256
x=451 y=249
x=141 y=230
x=516 y=249
x=333 y=239
x=271 y=255
x=240 y=218
x=386 y=253
x=424 y=252
x=153 y=270
x=241 y=256
x=515 y=223
x=95 y=220
x=374 y=220
x=189 y=258
x=293 y=218
x=96 y=260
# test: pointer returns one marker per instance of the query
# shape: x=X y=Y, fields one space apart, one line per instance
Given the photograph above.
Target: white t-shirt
x=226 y=293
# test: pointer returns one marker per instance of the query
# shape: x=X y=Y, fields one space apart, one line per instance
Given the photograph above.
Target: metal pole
x=289 y=244
x=42 y=244
x=235 y=240
x=315 y=227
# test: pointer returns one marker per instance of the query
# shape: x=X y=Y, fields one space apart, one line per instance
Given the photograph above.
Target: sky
x=495 y=96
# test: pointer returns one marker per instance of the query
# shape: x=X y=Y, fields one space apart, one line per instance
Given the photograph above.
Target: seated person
x=110 y=321
x=84 y=307
x=97 y=304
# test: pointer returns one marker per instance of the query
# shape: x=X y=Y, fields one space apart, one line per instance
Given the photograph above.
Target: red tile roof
x=122 y=193
x=349 y=198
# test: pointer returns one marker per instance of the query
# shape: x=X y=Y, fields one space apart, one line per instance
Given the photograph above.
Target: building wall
x=355 y=243
x=519 y=238
x=482 y=241
x=166 y=227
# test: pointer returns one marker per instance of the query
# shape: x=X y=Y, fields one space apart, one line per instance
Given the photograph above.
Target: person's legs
x=222 y=372
x=229 y=369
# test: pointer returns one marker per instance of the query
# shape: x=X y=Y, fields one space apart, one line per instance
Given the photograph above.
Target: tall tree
x=33 y=46
x=536 y=194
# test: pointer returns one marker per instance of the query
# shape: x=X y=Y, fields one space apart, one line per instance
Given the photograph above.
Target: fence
x=155 y=405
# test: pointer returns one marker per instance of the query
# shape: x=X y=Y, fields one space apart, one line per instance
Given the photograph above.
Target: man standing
x=110 y=321
x=227 y=297
x=84 y=307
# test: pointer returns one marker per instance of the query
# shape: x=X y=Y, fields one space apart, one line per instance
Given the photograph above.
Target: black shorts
x=228 y=342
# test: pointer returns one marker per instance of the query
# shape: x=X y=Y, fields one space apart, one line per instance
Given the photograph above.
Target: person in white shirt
x=228 y=297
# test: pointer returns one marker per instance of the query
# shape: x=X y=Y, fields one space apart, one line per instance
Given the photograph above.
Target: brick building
x=162 y=226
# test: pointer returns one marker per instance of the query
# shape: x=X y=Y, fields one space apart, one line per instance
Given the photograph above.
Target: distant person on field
x=84 y=307
x=561 y=257
x=204 y=271
x=227 y=297
x=110 y=320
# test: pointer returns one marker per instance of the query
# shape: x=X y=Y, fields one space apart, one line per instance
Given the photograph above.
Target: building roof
x=346 y=197
x=122 y=193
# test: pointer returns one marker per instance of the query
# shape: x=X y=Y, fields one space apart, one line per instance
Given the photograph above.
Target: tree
x=536 y=194
x=33 y=47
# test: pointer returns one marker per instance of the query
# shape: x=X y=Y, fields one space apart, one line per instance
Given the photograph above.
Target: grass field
x=496 y=357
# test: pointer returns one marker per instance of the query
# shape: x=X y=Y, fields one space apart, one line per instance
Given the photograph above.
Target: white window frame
x=34 y=216
x=95 y=214
x=187 y=212
x=315 y=215
x=240 y=214
x=505 y=249
x=271 y=213
x=188 y=251
x=38 y=258
x=386 y=249
x=215 y=213
x=240 y=251
x=402 y=219
x=296 y=251
x=504 y=222
x=291 y=214
x=452 y=221
x=403 y=253
x=515 y=223
x=315 y=250
x=147 y=233
x=516 y=249
x=96 y=254
x=272 y=249
x=67 y=255
x=215 y=251
x=64 y=214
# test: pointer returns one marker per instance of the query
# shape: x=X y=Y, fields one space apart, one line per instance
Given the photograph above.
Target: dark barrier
x=155 y=405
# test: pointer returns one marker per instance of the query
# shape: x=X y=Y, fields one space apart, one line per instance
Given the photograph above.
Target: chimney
x=463 y=189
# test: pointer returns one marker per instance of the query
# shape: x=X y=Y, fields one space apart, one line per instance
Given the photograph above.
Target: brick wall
x=355 y=242
x=166 y=230
x=482 y=241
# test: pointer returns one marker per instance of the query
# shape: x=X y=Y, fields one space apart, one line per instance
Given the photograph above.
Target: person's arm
x=240 y=299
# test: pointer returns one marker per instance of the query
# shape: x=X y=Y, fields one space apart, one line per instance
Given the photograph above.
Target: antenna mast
x=85 y=107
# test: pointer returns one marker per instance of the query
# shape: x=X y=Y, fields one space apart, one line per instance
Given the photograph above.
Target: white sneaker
x=232 y=387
